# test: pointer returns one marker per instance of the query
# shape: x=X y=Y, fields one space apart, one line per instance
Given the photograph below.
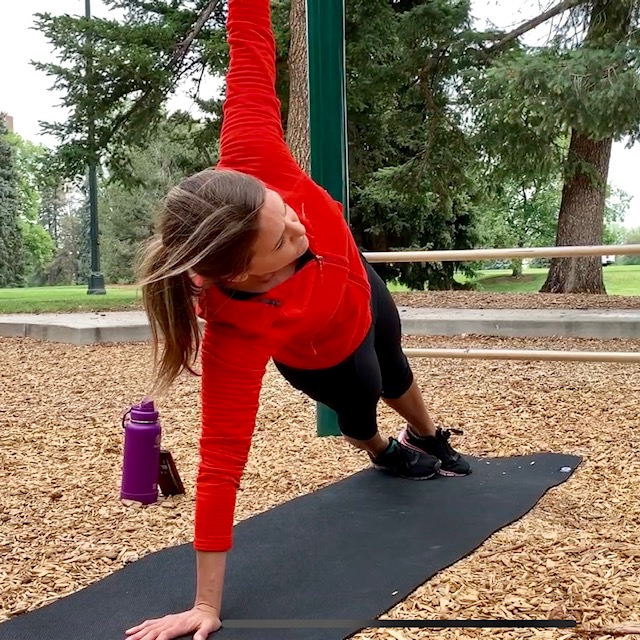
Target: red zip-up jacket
x=313 y=320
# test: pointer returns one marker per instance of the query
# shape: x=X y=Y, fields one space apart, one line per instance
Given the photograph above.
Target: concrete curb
x=97 y=328
x=79 y=328
x=523 y=323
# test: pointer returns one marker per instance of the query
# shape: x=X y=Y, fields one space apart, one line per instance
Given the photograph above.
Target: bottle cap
x=144 y=412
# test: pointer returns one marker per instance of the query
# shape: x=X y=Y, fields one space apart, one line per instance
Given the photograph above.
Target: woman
x=280 y=277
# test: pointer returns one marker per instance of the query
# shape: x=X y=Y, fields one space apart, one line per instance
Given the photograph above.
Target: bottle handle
x=124 y=417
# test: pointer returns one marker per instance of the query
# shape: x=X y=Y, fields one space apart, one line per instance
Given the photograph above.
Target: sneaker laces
x=447 y=432
x=444 y=435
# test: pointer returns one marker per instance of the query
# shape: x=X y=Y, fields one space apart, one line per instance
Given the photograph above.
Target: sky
x=27 y=96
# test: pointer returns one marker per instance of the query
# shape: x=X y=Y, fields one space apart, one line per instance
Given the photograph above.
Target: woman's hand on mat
x=202 y=620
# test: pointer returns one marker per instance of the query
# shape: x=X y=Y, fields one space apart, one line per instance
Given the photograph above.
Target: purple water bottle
x=141 y=459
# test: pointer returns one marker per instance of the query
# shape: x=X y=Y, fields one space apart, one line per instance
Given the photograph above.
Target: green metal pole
x=96 y=279
x=328 y=121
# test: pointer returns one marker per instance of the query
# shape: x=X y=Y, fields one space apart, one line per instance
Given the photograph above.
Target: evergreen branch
x=141 y=5
x=176 y=60
x=504 y=40
x=199 y=81
x=529 y=25
x=183 y=49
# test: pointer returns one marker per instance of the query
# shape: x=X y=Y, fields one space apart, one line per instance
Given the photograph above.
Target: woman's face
x=281 y=238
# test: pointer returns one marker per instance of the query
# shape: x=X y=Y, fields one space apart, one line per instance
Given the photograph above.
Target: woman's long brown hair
x=207 y=226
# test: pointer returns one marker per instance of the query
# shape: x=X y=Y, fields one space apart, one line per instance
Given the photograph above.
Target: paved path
x=132 y=326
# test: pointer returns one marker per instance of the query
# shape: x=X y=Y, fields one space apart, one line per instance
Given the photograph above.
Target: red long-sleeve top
x=313 y=320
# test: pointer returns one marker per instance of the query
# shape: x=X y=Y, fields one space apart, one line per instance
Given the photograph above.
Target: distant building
x=9 y=121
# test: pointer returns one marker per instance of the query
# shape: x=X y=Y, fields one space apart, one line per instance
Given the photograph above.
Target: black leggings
x=377 y=369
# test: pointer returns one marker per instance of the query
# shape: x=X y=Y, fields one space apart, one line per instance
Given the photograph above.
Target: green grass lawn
x=619 y=280
x=68 y=299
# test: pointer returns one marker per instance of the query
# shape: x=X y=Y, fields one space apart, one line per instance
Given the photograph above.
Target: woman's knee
x=396 y=380
x=361 y=426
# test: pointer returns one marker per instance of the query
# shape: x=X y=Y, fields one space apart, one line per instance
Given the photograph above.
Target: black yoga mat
x=350 y=551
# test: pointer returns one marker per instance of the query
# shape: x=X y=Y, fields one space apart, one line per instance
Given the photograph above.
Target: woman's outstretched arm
x=252 y=139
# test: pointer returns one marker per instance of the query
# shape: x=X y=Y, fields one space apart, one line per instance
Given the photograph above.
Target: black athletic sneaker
x=406 y=462
x=453 y=464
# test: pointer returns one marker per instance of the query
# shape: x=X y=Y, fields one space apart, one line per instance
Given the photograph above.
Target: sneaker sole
x=395 y=475
x=452 y=474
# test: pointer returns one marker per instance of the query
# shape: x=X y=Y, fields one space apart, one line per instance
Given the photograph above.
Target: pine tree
x=11 y=248
x=582 y=211
x=582 y=87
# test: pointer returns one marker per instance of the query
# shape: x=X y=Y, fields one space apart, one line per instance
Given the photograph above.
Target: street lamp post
x=96 y=278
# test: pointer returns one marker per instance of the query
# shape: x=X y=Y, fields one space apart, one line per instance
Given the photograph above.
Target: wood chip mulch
x=480 y=300
x=575 y=555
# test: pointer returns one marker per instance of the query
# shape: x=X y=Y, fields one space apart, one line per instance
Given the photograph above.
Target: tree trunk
x=298 y=118
x=516 y=268
x=581 y=220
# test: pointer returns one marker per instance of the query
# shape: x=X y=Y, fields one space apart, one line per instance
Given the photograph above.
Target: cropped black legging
x=377 y=369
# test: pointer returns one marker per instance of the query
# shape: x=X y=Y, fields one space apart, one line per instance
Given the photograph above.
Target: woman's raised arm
x=252 y=139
